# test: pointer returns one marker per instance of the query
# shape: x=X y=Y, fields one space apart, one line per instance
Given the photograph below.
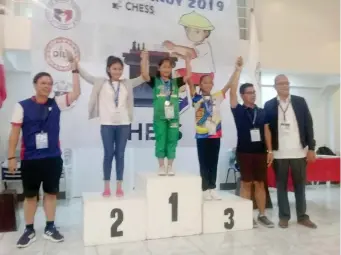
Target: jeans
x=114 y=140
x=208 y=154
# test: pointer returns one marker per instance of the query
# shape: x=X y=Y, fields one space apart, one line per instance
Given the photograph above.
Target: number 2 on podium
x=173 y=200
x=118 y=214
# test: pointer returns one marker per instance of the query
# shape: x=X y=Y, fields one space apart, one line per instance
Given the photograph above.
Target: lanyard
x=46 y=115
x=254 y=116
x=116 y=92
x=284 y=110
x=168 y=89
x=209 y=106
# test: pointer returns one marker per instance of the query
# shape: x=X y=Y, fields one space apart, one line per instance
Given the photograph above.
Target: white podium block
x=229 y=214
x=174 y=204
x=113 y=220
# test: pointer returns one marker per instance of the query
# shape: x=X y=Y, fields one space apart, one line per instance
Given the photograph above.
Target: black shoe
x=27 y=238
x=53 y=235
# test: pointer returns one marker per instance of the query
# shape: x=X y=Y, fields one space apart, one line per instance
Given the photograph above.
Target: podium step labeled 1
x=174 y=204
x=229 y=214
x=113 y=220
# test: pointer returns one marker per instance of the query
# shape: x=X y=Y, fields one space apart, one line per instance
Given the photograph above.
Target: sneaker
x=265 y=221
x=27 y=238
x=207 y=195
x=106 y=193
x=214 y=194
x=170 y=171
x=162 y=171
x=119 y=193
x=53 y=235
x=255 y=225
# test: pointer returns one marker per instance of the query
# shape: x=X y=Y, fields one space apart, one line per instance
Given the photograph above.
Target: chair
x=233 y=166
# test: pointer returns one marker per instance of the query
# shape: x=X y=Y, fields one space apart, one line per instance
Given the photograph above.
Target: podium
x=162 y=207
x=229 y=214
x=173 y=204
x=113 y=220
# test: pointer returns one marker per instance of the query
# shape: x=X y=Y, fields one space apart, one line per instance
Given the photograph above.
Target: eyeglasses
x=283 y=83
x=250 y=93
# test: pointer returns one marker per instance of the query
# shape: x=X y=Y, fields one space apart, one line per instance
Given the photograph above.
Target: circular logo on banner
x=63 y=14
x=61 y=88
x=56 y=53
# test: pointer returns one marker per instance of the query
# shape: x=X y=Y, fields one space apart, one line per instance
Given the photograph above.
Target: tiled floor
x=323 y=207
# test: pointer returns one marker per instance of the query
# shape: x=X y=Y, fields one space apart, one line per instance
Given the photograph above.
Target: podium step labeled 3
x=113 y=220
x=229 y=214
x=174 y=204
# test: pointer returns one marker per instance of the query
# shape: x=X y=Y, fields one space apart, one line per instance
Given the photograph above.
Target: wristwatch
x=75 y=71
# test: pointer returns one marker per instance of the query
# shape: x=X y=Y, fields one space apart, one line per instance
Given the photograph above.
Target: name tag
x=169 y=111
x=255 y=135
x=116 y=118
x=42 y=141
x=285 y=127
x=211 y=127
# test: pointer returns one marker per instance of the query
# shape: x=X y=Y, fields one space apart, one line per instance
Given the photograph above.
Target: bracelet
x=75 y=71
x=11 y=158
x=270 y=152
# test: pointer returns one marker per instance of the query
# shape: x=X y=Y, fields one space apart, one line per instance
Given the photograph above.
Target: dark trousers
x=114 y=140
x=208 y=154
x=298 y=173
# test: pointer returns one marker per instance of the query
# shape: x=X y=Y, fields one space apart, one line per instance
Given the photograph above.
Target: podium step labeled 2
x=174 y=204
x=229 y=214
x=113 y=220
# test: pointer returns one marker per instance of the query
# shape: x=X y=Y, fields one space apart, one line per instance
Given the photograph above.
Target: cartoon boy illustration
x=198 y=28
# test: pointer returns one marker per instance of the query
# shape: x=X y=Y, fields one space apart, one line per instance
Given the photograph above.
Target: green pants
x=166 y=137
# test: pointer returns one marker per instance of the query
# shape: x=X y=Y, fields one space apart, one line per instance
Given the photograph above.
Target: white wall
x=336 y=120
x=302 y=36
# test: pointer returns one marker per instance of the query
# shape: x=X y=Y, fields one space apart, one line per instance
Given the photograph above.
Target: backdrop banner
x=93 y=30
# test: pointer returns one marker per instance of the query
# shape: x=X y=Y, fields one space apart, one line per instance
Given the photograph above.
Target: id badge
x=116 y=117
x=42 y=141
x=285 y=127
x=255 y=135
x=211 y=127
x=169 y=111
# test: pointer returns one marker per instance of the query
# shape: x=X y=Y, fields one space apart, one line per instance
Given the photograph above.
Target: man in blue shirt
x=38 y=118
x=251 y=149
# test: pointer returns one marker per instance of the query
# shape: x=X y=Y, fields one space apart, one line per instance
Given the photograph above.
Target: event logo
x=63 y=14
x=56 y=53
x=61 y=88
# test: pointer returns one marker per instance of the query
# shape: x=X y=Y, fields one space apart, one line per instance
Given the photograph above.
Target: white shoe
x=214 y=194
x=170 y=171
x=207 y=195
x=162 y=171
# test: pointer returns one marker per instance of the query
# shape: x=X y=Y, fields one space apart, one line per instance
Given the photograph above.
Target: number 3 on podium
x=230 y=213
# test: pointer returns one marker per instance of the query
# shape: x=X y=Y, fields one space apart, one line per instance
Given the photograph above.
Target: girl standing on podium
x=208 y=128
x=112 y=101
x=166 y=109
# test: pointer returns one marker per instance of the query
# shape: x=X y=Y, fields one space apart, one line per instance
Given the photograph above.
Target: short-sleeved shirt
x=34 y=118
x=180 y=81
x=244 y=117
x=203 y=115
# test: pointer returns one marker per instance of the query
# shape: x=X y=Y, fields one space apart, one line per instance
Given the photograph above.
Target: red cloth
x=3 y=93
x=323 y=170
x=195 y=76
